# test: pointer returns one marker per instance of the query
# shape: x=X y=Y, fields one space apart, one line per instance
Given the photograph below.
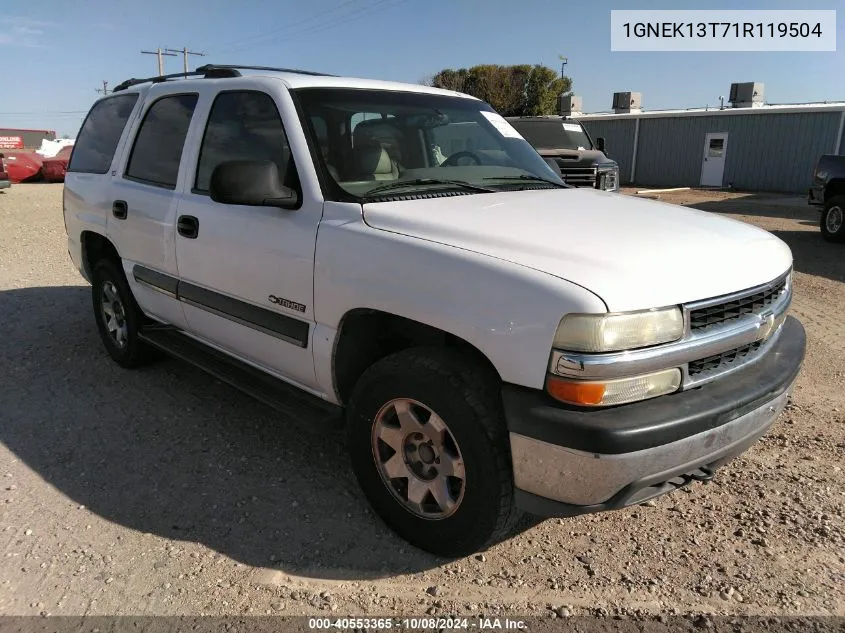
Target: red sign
x=11 y=142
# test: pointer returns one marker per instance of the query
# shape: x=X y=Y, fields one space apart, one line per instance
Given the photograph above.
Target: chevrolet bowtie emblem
x=766 y=327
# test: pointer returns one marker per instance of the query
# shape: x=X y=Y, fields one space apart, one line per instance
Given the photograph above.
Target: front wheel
x=833 y=220
x=430 y=450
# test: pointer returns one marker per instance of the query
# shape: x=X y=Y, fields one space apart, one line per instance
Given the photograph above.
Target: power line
x=46 y=112
x=185 y=52
x=346 y=18
x=160 y=54
x=227 y=45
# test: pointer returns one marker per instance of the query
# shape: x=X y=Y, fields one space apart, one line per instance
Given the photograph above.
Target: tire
x=119 y=332
x=833 y=219
x=467 y=400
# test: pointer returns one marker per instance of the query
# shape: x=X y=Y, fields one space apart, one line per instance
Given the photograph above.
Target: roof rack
x=234 y=67
x=211 y=71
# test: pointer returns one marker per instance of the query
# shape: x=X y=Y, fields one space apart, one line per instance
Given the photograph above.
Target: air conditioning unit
x=570 y=105
x=627 y=102
x=746 y=95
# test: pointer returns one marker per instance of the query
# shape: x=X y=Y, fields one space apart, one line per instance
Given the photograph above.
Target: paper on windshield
x=499 y=122
x=571 y=127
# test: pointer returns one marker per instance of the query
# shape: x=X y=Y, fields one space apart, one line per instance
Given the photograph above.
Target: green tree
x=512 y=90
x=544 y=89
x=449 y=79
x=515 y=100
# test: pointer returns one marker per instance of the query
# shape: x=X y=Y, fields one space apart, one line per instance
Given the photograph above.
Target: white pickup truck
x=497 y=342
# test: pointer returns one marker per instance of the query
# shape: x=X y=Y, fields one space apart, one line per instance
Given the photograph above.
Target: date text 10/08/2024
x=411 y=624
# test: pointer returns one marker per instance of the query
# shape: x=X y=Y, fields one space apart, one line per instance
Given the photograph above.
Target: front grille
x=734 y=309
x=577 y=176
x=723 y=360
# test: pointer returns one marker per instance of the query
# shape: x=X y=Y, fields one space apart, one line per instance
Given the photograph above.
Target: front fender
x=507 y=311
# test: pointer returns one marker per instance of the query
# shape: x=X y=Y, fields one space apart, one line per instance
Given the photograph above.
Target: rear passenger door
x=142 y=219
x=246 y=273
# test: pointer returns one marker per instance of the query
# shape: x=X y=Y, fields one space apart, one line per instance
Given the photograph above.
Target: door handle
x=119 y=209
x=188 y=226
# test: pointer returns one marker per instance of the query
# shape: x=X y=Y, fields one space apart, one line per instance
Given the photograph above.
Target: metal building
x=748 y=145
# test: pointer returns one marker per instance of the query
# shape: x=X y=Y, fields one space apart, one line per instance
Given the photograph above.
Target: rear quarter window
x=97 y=140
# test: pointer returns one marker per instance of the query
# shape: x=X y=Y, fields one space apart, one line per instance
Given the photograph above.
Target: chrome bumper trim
x=579 y=478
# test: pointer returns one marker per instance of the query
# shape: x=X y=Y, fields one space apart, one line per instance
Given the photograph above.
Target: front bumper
x=570 y=461
x=815 y=196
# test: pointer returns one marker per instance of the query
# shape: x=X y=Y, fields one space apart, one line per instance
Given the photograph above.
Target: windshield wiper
x=399 y=184
x=528 y=178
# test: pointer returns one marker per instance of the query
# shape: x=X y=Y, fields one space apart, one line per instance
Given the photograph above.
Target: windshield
x=377 y=143
x=554 y=134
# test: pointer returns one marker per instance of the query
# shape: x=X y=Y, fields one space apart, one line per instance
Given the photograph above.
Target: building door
x=713 y=165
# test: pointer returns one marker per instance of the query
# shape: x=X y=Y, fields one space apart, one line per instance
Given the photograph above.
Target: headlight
x=606 y=393
x=608 y=178
x=618 y=332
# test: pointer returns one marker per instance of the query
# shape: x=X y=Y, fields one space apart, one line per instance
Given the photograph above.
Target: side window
x=158 y=145
x=459 y=137
x=359 y=117
x=98 y=138
x=242 y=126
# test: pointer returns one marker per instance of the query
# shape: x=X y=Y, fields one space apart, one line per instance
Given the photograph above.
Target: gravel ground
x=163 y=491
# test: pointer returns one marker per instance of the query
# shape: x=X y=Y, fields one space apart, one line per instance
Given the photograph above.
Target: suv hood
x=633 y=253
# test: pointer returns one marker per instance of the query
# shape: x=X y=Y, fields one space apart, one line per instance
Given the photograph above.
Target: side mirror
x=252 y=183
x=600 y=144
x=552 y=163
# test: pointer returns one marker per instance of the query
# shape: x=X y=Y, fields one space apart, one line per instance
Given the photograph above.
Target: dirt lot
x=163 y=491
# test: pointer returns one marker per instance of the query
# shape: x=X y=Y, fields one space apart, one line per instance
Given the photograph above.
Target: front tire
x=118 y=316
x=429 y=447
x=833 y=219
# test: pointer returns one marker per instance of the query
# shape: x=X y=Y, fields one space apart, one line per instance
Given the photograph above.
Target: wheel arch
x=835 y=187
x=96 y=246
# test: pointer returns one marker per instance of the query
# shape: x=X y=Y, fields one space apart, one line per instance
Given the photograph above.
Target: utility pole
x=160 y=53
x=105 y=89
x=185 y=52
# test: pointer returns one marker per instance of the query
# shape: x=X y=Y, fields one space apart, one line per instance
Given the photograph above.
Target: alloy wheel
x=114 y=314
x=833 y=222
x=418 y=459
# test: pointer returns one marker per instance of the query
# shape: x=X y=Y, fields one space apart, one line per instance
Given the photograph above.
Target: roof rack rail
x=212 y=71
x=209 y=72
x=210 y=67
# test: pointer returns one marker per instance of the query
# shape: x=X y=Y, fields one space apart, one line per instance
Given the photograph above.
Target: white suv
x=499 y=343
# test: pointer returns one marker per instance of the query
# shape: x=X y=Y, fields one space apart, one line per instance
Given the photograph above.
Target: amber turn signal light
x=614 y=391
x=584 y=393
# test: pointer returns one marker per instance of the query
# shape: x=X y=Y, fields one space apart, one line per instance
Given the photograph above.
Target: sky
x=57 y=53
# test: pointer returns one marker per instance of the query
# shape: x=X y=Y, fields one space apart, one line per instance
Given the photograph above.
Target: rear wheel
x=430 y=450
x=118 y=317
x=833 y=219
